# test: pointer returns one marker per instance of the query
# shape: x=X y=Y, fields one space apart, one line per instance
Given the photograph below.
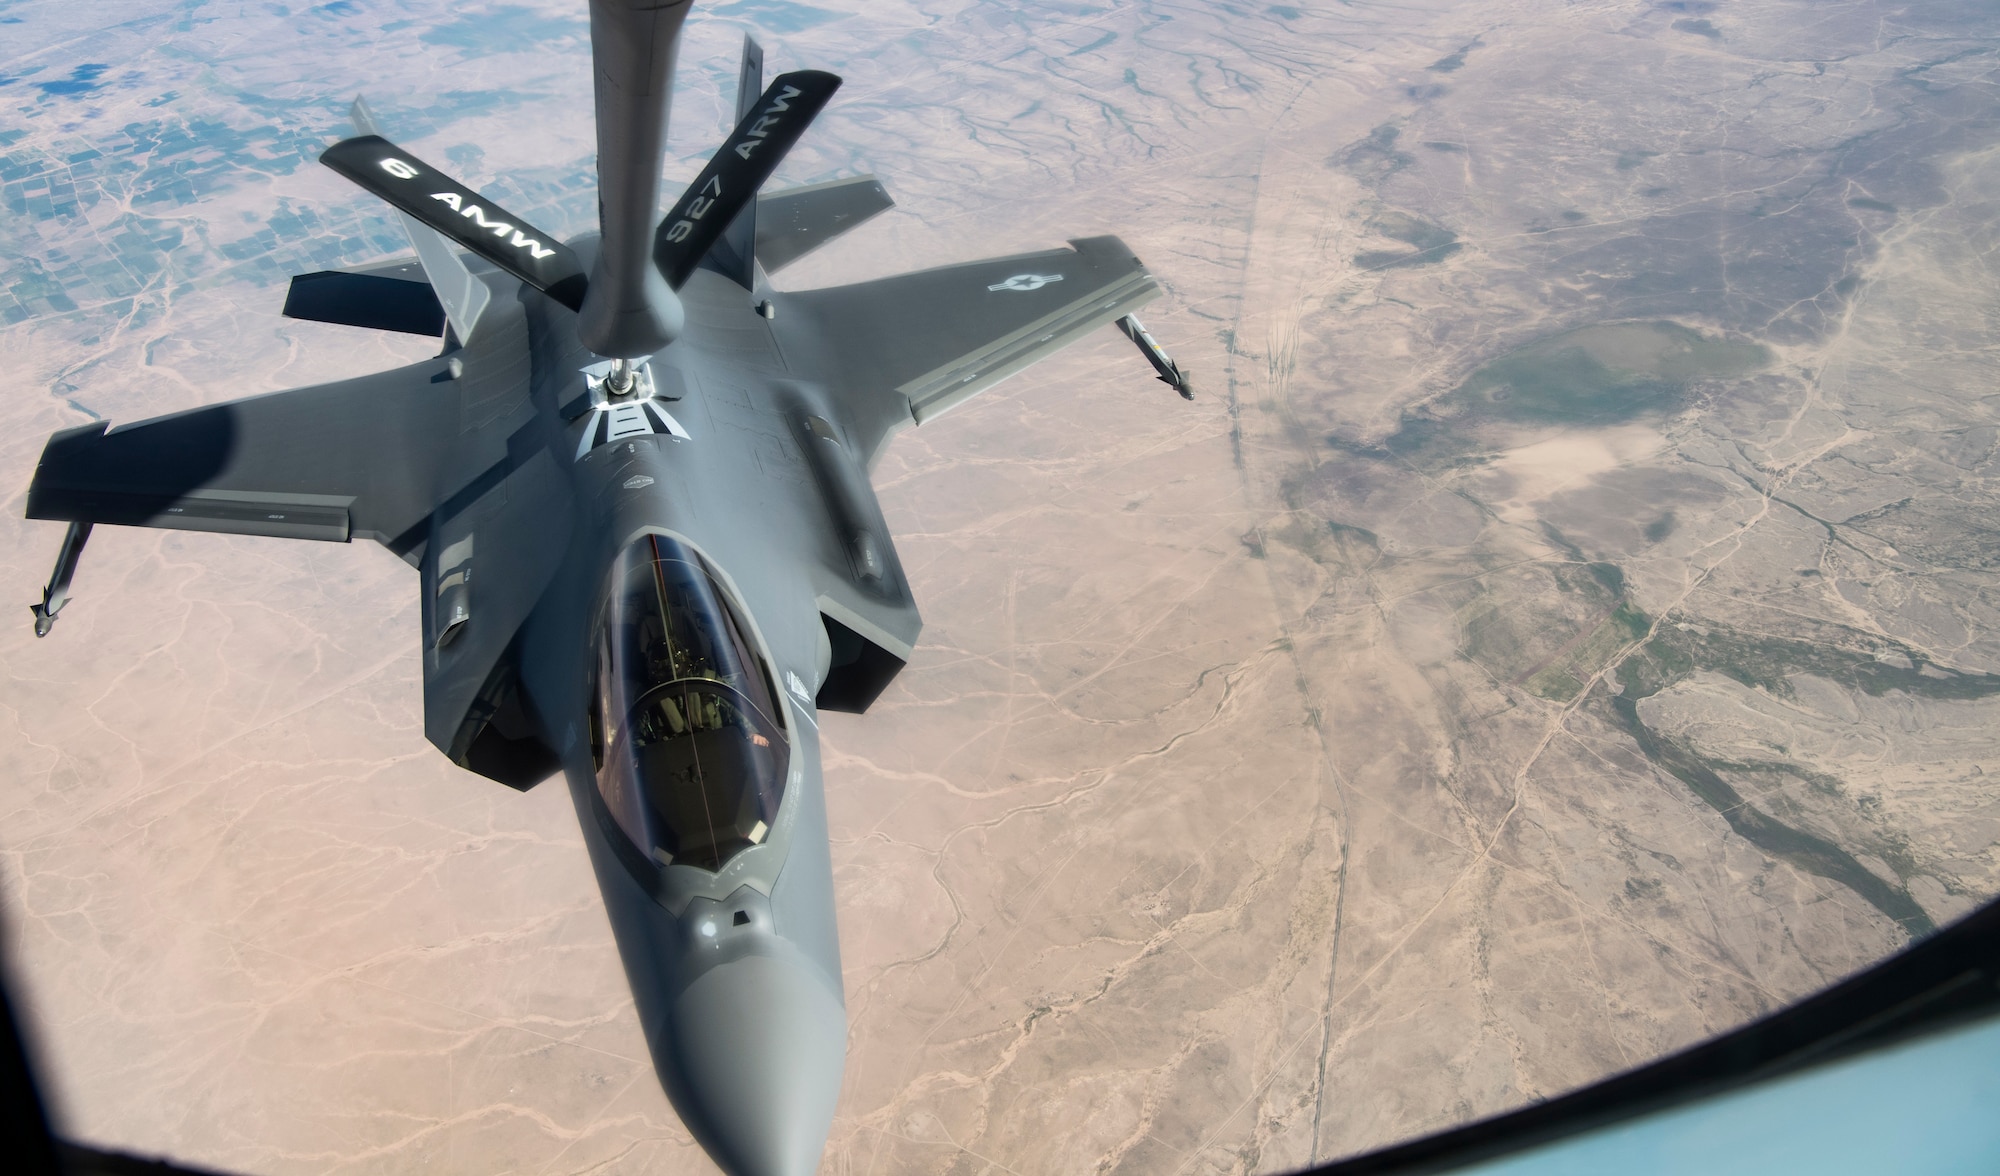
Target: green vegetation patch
x=1768 y=663
x=1376 y=157
x=1857 y=662
x=1804 y=850
x=1604 y=374
x=1431 y=243
x=1593 y=376
x=1456 y=61
x=1552 y=628
x=1563 y=678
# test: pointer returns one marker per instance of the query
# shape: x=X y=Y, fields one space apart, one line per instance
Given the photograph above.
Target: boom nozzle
x=622 y=379
x=629 y=311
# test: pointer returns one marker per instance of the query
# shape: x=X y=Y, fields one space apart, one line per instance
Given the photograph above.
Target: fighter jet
x=635 y=486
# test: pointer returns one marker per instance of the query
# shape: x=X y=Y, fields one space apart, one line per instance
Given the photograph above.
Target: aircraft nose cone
x=758 y=1046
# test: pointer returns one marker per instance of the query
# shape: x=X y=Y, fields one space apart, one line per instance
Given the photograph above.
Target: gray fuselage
x=736 y=971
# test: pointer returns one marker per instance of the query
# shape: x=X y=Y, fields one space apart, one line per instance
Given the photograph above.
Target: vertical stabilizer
x=630 y=311
x=463 y=296
x=735 y=255
x=749 y=78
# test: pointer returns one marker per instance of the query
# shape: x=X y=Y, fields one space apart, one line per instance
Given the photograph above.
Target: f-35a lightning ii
x=635 y=486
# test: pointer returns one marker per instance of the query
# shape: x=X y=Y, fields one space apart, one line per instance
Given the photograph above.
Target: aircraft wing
x=369 y=457
x=416 y=458
x=913 y=346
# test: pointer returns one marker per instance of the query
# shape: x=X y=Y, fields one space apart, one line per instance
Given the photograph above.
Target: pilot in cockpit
x=696 y=769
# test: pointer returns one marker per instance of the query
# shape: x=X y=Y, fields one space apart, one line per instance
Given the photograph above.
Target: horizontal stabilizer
x=730 y=181
x=481 y=226
x=796 y=221
x=376 y=301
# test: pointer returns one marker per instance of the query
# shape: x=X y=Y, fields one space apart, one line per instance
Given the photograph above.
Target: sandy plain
x=1562 y=629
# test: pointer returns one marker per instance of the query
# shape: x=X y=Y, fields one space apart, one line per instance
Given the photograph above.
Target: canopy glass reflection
x=688 y=740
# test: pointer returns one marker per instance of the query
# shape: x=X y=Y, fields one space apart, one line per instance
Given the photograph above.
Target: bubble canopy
x=686 y=733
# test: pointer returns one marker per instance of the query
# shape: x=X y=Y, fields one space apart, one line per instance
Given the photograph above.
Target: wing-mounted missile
x=57 y=593
x=730 y=181
x=439 y=202
x=1172 y=374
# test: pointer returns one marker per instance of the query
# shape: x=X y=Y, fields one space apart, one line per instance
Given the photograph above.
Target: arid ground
x=1564 y=626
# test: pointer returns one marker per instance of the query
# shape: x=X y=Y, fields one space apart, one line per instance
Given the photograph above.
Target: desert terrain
x=1562 y=628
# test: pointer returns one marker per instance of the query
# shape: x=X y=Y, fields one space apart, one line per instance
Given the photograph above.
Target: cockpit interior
x=687 y=735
